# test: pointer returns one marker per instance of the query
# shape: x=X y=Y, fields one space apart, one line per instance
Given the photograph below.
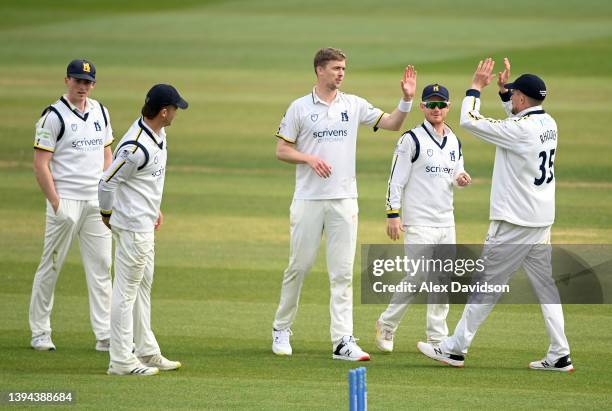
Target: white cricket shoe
x=435 y=353
x=563 y=364
x=159 y=361
x=384 y=337
x=140 y=370
x=348 y=350
x=103 y=345
x=280 y=342
x=43 y=342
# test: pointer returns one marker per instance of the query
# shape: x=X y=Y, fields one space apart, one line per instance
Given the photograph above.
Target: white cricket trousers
x=131 y=307
x=436 y=329
x=309 y=219
x=74 y=218
x=506 y=249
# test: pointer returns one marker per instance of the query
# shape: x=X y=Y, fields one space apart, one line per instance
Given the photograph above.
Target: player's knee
x=297 y=270
x=301 y=265
x=343 y=278
x=101 y=265
x=105 y=264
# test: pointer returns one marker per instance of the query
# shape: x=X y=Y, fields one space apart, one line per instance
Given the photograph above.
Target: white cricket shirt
x=423 y=170
x=328 y=131
x=77 y=141
x=523 y=186
x=131 y=188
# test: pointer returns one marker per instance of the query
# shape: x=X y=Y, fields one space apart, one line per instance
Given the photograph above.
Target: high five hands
x=483 y=74
x=503 y=77
x=408 y=83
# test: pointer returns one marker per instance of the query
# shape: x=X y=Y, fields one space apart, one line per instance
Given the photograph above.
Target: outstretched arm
x=395 y=120
x=503 y=133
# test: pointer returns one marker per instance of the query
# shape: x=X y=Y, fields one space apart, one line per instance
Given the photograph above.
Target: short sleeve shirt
x=328 y=131
x=77 y=141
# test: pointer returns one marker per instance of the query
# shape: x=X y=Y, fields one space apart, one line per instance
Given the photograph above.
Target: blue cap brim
x=83 y=77
x=446 y=98
x=509 y=86
x=182 y=104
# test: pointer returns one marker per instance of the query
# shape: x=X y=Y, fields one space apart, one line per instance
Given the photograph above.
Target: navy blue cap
x=530 y=85
x=435 y=90
x=81 y=69
x=162 y=95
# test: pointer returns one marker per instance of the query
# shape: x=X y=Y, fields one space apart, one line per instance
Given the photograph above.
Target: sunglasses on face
x=433 y=104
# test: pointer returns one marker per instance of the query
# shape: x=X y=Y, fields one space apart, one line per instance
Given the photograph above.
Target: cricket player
x=71 y=149
x=318 y=133
x=428 y=162
x=522 y=210
x=130 y=194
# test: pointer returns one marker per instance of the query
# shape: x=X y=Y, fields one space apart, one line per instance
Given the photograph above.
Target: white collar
x=73 y=107
x=159 y=138
x=316 y=99
x=528 y=110
x=432 y=130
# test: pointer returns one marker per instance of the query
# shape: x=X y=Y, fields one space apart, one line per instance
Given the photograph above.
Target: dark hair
x=150 y=112
x=326 y=55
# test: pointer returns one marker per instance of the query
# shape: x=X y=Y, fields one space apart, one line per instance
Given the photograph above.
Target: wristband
x=404 y=106
x=393 y=213
x=505 y=97
x=106 y=213
x=473 y=93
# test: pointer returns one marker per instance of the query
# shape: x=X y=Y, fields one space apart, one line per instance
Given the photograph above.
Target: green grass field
x=223 y=247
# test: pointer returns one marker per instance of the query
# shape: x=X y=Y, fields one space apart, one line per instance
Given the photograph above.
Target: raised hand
x=504 y=76
x=483 y=74
x=408 y=83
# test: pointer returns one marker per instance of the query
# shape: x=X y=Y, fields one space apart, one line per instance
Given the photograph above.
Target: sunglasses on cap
x=433 y=104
